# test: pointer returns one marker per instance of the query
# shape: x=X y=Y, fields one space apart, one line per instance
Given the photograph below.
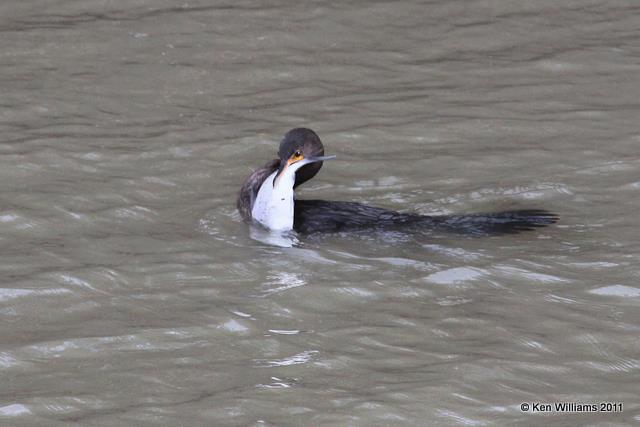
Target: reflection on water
x=275 y=238
x=282 y=281
x=296 y=359
x=133 y=294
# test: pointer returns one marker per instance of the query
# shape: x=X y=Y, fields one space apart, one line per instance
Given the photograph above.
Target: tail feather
x=493 y=223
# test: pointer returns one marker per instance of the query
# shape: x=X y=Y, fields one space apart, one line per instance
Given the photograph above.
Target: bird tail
x=330 y=216
x=493 y=223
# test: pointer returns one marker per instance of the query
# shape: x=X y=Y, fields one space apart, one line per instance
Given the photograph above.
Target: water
x=132 y=294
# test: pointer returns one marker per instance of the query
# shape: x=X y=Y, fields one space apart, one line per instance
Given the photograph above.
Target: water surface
x=133 y=294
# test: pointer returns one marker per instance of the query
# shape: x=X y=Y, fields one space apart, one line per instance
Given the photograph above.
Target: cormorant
x=267 y=197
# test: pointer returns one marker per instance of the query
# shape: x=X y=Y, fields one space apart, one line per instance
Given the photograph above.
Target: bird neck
x=273 y=207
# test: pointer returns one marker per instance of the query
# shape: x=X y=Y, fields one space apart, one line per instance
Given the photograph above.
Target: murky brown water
x=132 y=294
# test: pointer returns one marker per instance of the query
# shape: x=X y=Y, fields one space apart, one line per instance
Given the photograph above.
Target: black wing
x=311 y=216
x=251 y=186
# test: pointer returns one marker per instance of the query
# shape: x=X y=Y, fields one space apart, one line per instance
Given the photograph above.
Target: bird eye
x=297 y=153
